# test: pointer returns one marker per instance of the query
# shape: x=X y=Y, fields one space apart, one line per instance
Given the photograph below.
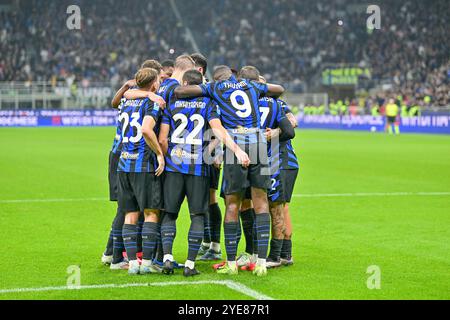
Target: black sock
x=168 y=232
x=149 y=239
x=195 y=236
x=118 y=246
x=248 y=219
x=207 y=229
x=239 y=230
x=262 y=234
x=140 y=225
x=110 y=243
x=286 y=249
x=255 y=238
x=129 y=234
x=275 y=249
x=215 y=219
x=230 y=231
x=159 y=253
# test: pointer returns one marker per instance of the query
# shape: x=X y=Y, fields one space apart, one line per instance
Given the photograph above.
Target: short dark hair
x=152 y=64
x=200 y=61
x=193 y=77
x=249 y=73
x=168 y=64
x=146 y=77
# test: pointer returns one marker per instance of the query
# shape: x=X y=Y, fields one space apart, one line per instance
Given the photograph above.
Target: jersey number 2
x=191 y=137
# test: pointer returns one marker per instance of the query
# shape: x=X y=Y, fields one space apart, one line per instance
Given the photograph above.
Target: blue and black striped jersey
x=271 y=115
x=117 y=143
x=288 y=157
x=136 y=155
x=188 y=121
x=238 y=102
x=167 y=88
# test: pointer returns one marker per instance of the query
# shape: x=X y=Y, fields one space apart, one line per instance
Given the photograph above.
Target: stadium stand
x=288 y=40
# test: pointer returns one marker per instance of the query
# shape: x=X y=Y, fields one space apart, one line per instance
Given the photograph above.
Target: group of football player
x=176 y=132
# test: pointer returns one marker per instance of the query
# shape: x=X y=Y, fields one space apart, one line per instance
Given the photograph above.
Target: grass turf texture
x=335 y=238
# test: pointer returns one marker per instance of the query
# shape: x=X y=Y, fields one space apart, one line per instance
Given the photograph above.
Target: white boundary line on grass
x=307 y=195
x=236 y=286
x=53 y=200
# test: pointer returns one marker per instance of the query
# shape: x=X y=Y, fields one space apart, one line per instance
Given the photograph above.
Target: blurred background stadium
x=321 y=51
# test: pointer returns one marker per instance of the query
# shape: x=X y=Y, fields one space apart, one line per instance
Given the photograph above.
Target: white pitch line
x=53 y=200
x=306 y=195
x=371 y=194
x=236 y=286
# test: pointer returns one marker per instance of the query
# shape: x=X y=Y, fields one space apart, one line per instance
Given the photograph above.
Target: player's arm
x=140 y=94
x=292 y=119
x=184 y=92
x=164 y=137
x=226 y=139
x=120 y=93
x=213 y=145
x=148 y=132
x=285 y=131
x=274 y=90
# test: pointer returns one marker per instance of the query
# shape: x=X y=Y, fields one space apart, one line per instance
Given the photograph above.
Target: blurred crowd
x=288 y=40
x=115 y=38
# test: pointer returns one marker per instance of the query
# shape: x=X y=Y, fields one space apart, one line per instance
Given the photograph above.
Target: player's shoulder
x=168 y=85
x=282 y=103
x=267 y=100
x=135 y=103
x=191 y=103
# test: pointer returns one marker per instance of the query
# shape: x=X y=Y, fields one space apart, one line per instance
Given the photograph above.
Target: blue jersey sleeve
x=165 y=117
x=208 y=89
x=280 y=112
x=284 y=106
x=212 y=111
x=151 y=110
x=261 y=88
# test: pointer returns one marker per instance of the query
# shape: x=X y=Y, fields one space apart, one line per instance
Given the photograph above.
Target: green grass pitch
x=336 y=238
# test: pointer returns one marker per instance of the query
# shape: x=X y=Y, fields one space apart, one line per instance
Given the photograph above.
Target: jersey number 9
x=245 y=108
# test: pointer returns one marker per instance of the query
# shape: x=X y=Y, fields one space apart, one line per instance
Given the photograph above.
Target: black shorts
x=177 y=186
x=391 y=120
x=139 y=191
x=282 y=187
x=236 y=178
x=214 y=177
x=113 y=176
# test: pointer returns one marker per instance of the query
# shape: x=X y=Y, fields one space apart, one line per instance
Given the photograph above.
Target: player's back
x=288 y=156
x=166 y=89
x=239 y=107
x=188 y=120
x=271 y=113
x=117 y=143
x=136 y=155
